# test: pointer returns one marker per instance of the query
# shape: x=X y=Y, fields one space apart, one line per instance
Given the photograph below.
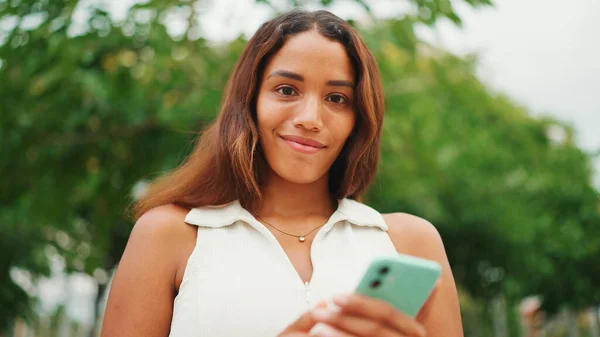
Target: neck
x=284 y=199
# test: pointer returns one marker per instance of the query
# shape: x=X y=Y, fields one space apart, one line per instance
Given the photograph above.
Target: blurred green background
x=93 y=108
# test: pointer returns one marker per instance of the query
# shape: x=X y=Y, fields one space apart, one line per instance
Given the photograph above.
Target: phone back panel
x=403 y=281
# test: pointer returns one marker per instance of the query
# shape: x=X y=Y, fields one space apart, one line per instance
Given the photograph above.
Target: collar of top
x=349 y=210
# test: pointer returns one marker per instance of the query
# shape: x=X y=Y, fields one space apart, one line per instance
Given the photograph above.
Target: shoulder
x=149 y=265
x=163 y=233
x=414 y=235
x=160 y=217
x=161 y=223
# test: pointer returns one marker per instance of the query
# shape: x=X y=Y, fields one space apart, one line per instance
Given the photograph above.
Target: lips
x=304 y=141
x=302 y=144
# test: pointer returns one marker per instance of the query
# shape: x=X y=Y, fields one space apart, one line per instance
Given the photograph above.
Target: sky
x=544 y=54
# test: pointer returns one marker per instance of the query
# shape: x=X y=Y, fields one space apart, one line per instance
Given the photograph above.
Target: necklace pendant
x=301 y=239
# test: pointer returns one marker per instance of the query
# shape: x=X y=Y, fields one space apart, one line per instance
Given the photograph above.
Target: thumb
x=322 y=304
x=301 y=326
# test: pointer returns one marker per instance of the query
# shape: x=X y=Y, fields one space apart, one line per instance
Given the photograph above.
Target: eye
x=286 y=91
x=337 y=99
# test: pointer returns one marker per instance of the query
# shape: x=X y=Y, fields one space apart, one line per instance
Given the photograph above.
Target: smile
x=303 y=145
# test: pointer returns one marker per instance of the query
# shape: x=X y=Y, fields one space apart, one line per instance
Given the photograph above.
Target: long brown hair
x=227 y=162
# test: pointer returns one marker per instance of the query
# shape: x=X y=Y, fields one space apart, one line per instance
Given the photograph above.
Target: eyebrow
x=341 y=83
x=298 y=77
x=288 y=74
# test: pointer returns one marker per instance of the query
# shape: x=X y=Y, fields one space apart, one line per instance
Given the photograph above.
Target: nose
x=309 y=114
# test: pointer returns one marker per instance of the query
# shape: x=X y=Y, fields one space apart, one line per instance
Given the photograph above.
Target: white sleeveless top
x=239 y=282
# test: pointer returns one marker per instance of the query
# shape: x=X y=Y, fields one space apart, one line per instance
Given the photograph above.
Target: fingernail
x=326 y=331
x=422 y=331
x=342 y=299
x=322 y=314
x=322 y=304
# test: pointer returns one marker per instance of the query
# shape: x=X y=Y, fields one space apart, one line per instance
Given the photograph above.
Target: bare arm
x=141 y=297
x=414 y=236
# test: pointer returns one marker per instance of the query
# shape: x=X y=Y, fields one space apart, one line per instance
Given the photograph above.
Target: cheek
x=269 y=117
x=342 y=128
x=263 y=113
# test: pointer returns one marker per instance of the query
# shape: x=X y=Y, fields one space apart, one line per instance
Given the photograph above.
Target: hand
x=361 y=316
x=302 y=326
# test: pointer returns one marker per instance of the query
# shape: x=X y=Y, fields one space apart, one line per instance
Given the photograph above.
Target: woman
x=262 y=221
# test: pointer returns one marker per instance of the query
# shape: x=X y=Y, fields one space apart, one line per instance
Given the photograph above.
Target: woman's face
x=305 y=107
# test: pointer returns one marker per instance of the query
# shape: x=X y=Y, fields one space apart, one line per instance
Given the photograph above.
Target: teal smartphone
x=401 y=280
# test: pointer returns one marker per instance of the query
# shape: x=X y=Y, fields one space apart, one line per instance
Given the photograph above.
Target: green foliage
x=21 y=244
x=517 y=211
x=84 y=118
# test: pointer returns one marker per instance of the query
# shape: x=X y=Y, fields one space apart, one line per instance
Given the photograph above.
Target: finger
x=329 y=331
x=303 y=324
x=378 y=310
x=322 y=304
x=354 y=325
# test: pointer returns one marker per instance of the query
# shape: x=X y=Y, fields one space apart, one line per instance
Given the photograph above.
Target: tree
x=85 y=117
x=515 y=207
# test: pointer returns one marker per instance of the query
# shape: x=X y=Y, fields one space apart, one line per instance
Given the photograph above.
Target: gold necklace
x=301 y=238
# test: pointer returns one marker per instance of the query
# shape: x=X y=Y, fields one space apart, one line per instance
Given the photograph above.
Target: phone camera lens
x=375 y=284
x=384 y=270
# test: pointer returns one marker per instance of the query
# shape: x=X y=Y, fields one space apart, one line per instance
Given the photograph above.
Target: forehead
x=311 y=53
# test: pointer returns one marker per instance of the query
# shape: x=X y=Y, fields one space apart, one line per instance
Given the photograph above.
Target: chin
x=299 y=175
